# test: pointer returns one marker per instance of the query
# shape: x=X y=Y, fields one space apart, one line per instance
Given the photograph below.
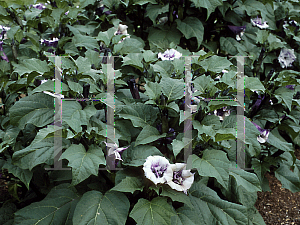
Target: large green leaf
x=129 y=45
x=74 y=116
x=24 y=175
x=98 y=209
x=152 y=11
x=155 y=212
x=254 y=84
x=209 y=5
x=191 y=27
x=85 y=41
x=7 y=212
x=129 y=184
x=173 y=89
x=49 y=86
x=57 y=208
x=214 y=163
x=251 y=134
x=178 y=145
x=84 y=163
x=136 y=156
x=215 y=64
x=286 y=95
x=148 y=135
x=176 y=195
x=37 y=153
x=32 y=65
x=153 y=90
x=288 y=178
x=277 y=141
x=106 y=36
x=209 y=209
x=37 y=109
x=135 y=60
x=161 y=39
x=140 y=114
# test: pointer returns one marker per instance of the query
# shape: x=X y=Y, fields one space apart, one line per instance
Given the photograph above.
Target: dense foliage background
x=149 y=108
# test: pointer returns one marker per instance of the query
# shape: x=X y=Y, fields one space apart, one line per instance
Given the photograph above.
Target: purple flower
x=39 y=6
x=114 y=151
x=286 y=57
x=53 y=42
x=4 y=57
x=264 y=134
x=169 y=55
x=238 y=31
x=290 y=86
x=258 y=102
x=155 y=168
x=221 y=113
x=258 y=22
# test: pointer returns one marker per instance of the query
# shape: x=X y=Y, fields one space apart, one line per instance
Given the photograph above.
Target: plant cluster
x=147 y=180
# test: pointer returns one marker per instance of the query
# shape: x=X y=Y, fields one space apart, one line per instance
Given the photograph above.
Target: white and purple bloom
x=264 y=134
x=178 y=177
x=238 y=31
x=169 y=55
x=286 y=57
x=3 y=32
x=52 y=42
x=114 y=151
x=221 y=113
x=155 y=168
x=163 y=20
x=258 y=22
x=39 y=6
x=122 y=30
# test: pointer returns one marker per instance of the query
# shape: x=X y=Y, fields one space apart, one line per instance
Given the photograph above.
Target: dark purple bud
x=237 y=29
x=291 y=86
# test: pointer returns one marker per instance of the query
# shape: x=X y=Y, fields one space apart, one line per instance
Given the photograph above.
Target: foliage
x=149 y=108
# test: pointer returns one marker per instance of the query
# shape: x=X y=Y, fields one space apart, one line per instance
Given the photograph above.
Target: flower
x=290 y=86
x=178 y=178
x=169 y=55
x=286 y=57
x=264 y=134
x=39 y=6
x=4 y=31
x=258 y=22
x=155 y=168
x=122 y=30
x=238 y=31
x=4 y=57
x=114 y=151
x=163 y=20
x=52 y=42
x=221 y=113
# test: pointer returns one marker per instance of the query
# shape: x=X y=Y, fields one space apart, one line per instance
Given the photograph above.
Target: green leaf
x=215 y=64
x=153 y=90
x=37 y=109
x=74 y=116
x=251 y=134
x=98 y=209
x=178 y=145
x=156 y=212
x=286 y=95
x=254 y=84
x=85 y=41
x=165 y=68
x=106 y=36
x=148 y=135
x=49 y=86
x=129 y=45
x=278 y=141
x=7 y=212
x=225 y=134
x=191 y=27
x=173 y=89
x=214 y=163
x=136 y=156
x=84 y=163
x=209 y=5
x=262 y=36
x=289 y=179
x=129 y=184
x=204 y=84
x=32 y=65
x=134 y=59
x=23 y=174
x=38 y=153
x=152 y=11
x=176 y=195
x=140 y=114
x=274 y=42
x=160 y=40
x=209 y=208
x=58 y=206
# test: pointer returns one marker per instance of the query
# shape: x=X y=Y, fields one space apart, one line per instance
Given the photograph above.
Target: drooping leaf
x=129 y=184
x=32 y=65
x=148 y=135
x=209 y=5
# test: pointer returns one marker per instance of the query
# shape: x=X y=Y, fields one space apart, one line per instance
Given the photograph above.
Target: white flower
x=224 y=71
x=122 y=30
x=169 y=55
x=258 y=22
x=221 y=113
x=155 y=168
x=163 y=20
x=286 y=57
x=178 y=178
x=114 y=150
x=66 y=13
x=263 y=137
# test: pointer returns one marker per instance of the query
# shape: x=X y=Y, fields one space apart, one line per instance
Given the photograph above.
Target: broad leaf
x=84 y=163
x=129 y=184
x=209 y=5
x=148 y=135
x=173 y=89
x=32 y=65
x=85 y=41
x=215 y=64
x=98 y=209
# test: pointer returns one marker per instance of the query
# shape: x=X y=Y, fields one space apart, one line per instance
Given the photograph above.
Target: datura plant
x=135 y=112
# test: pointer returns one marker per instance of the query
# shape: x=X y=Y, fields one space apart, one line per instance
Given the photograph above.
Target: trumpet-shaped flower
x=169 y=55
x=122 y=30
x=258 y=22
x=238 y=31
x=114 y=151
x=221 y=113
x=178 y=177
x=286 y=57
x=155 y=168
x=264 y=134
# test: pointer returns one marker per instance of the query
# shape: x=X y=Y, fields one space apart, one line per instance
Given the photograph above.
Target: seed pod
x=86 y=90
